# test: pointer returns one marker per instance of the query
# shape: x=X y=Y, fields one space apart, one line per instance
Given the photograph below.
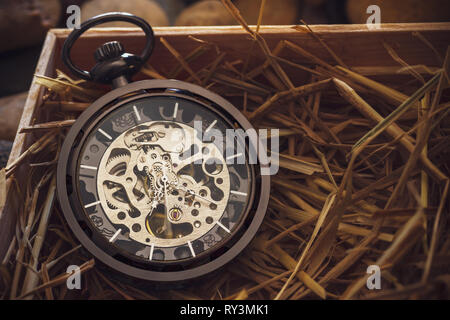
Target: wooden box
x=358 y=47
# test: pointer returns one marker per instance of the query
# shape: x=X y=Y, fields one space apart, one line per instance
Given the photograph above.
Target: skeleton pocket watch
x=145 y=181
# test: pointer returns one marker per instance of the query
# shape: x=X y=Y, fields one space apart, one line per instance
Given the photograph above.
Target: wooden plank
x=9 y=213
x=355 y=44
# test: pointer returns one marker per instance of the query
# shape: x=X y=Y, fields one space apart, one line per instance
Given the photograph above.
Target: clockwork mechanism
x=149 y=182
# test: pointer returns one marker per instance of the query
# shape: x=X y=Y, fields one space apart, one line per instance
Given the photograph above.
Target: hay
x=362 y=186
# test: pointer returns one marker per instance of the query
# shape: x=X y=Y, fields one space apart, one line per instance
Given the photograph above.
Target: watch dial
x=156 y=183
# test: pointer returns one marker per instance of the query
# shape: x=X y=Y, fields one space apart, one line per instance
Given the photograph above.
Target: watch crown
x=109 y=50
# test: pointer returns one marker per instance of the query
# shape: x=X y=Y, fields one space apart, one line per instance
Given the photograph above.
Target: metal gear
x=159 y=189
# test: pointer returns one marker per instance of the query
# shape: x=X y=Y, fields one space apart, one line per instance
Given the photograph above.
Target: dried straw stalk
x=365 y=185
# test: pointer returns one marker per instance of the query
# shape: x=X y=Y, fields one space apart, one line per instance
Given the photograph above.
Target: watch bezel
x=109 y=101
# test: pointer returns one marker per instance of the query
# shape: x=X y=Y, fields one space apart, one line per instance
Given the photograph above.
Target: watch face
x=154 y=187
x=155 y=183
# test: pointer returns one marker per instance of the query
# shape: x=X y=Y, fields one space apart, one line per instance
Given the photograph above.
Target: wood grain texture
x=8 y=215
x=357 y=45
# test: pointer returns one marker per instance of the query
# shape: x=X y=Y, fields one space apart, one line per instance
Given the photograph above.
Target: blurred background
x=24 y=23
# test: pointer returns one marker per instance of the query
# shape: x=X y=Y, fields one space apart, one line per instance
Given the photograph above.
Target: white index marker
x=105 y=134
x=234 y=156
x=192 y=249
x=114 y=237
x=92 y=204
x=88 y=167
x=210 y=126
x=238 y=193
x=223 y=227
x=175 y=111
x=138 y=116
x=150 y=255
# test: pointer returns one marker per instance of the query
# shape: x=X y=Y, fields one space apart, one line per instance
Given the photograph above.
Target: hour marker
x=223 y=227
x=105 y=134
x=210 y=126
x=92 y=204
x=138 y=117
x=114 y=237
x=234 y=156
x=88 y=167
x=175 y=111
x=150 y=256
x=238 y=193
x=192 y=249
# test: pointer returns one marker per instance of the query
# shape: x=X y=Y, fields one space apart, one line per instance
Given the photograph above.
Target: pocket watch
x=145 y=178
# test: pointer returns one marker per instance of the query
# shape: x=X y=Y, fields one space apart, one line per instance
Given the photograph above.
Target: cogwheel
x=118 y=164
x=115 y=166
x=110 y=205
x=115 y=197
